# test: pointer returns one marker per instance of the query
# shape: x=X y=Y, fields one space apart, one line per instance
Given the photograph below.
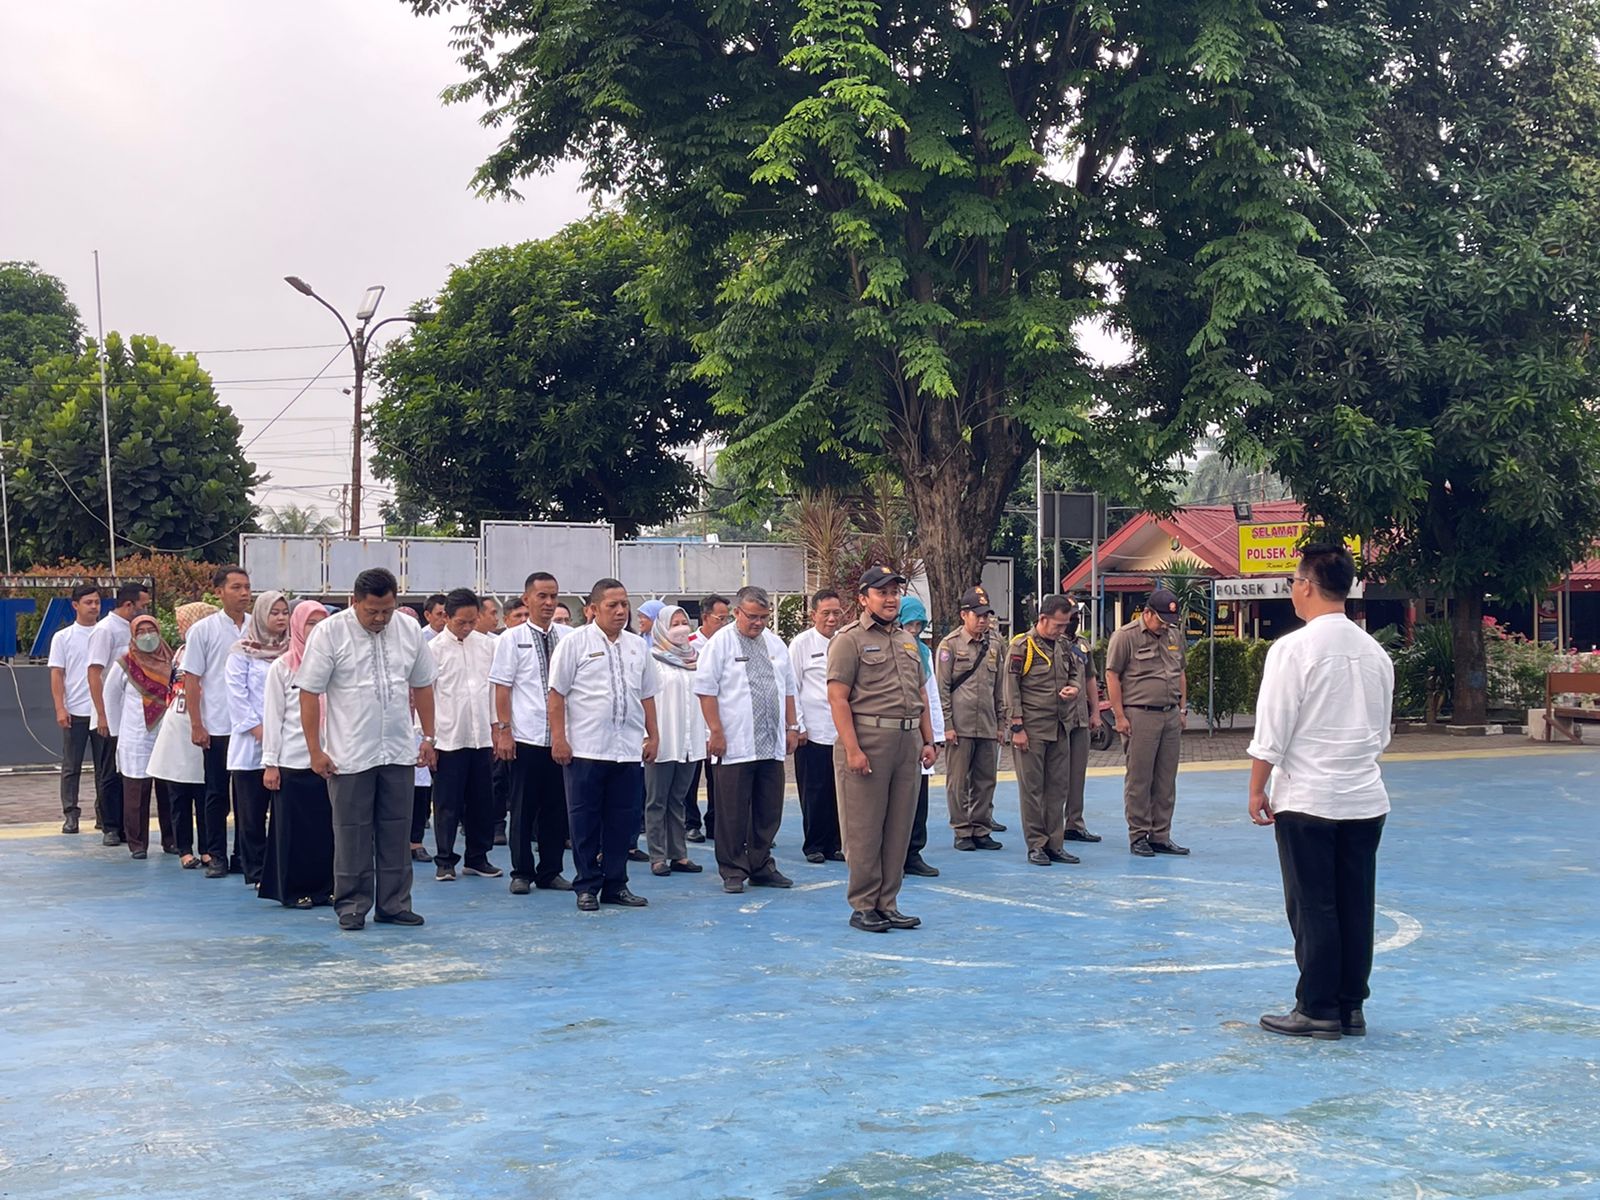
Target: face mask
x=1072 y=627
x=148 y=642
x=679 y=635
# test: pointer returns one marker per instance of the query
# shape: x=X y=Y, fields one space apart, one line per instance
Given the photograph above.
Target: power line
x=284 y=378
x=269 y=349
x=336 y=354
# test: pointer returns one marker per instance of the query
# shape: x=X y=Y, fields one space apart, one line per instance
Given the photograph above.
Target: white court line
x=1006 y=900
x=1569 y=1003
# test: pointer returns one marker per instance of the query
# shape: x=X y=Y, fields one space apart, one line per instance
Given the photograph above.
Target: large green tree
x=538 y=390
x=36 y=321
x=1452 y=416
x=180 y=481
x=888 y=221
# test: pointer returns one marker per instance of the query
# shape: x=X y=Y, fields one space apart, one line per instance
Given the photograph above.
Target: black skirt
x=299 y=842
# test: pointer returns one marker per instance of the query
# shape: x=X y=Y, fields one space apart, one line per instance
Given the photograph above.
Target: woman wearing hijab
x=142 y=687
x=298 y=871
x=682 y=729
x=914 y=619
x=266 y=637
x=176 y=760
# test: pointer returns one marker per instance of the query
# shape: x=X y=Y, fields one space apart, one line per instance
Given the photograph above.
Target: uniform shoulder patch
x=944 y=653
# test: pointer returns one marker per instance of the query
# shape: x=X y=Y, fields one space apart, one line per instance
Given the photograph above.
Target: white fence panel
x=288 y=563
x=440 y=564
x=576 y=555
x=651 y=568
x=348 y=557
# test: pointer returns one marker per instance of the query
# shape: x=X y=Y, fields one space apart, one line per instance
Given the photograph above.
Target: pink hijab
x=298 y=629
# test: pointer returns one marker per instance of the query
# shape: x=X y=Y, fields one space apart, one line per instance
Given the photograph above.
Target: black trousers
x=500 y=778
x=691 y=806
x=463 y=797
x=214 y=829
x=299 y=862
x=188 y=813
x=251 y=802
x=421 y=805
x=748 y=816
x=603 y=800
x=1330 y=871
x=107 y=783
x=74 y=744
x=538 y=814
x=819 y=798
x=919 y=825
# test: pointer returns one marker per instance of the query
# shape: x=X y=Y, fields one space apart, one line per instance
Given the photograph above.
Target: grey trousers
x=666 y=787
x=74 y=744
x=1150 y=787
x=372 y=840
x=1077 y=771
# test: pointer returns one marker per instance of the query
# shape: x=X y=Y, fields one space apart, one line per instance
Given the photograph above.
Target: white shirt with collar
x=283 y=738
x=107 y=643
x=605 y=684
x=724 y=673
x=247 y=682
x=462 y=699
x=521 y=665
x=211 y=641
x=367 y=678
x=1323 y=718
x=69 y=652
x=808 y=659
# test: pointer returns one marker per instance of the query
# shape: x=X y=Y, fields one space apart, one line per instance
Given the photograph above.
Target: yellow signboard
x=1275 y=549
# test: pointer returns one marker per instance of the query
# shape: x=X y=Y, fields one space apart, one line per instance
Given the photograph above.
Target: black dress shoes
x=352 y=921
x=733 y=886
x=917 y=867
x=520 y=887
x=694 y=835
x=1297 y=1024
x=111 y=837
x=836 y=856
x=1061 y=856
x=660 y=868
x=588 y=902
x=987 y=843
x=624 y=899
x=816 y=856
x=637 y=855
x=1039 y=858
x=1082 y=835
x=1168 y=848
x=69 y=823
x=772 y=879
x=399 y=918
x=686 y=867
x=898 y=919
x=966 y=843
x=869 y=920
x=996 y=827
x=140 y=854
x=1141 y=847
x=557 y=884
x=216 y=869
x=1353 y=1023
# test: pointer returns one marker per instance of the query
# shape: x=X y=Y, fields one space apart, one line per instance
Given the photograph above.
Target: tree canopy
x=538 y=390
x=885 y=223
x=36 y=321
x=181 y=483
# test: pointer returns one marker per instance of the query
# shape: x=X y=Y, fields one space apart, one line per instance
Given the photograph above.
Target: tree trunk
x=1469 y=696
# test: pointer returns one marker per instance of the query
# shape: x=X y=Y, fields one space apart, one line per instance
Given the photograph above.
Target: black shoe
x=1168 y=848
x=1039 y=858
x=418 y=854
x=1297 y=1024
x=624 y=899
x=483 y=870
x=520 y=887
x=216 y=870
x=686 y=867
x=835 y=855
x=140 y=854
x=986 y=842
x=588 y=902
x=733 y=886
x=352 y=921
x=816 y=856
x=111 y=838
x=399 y=918
x=869 y=920
x=1353 y=1024
x=69 y=823
x=637 y=855
x=557 y=884
x=1082 y=835
x=898 y=919
x=773 y=879
x=694 y=835
x=966 y=843
x=1141 y=847
x=499 y=835
x=660 y=868
x=1061 y=856
x=917 y=867
x=996 y=827
x=445 y=875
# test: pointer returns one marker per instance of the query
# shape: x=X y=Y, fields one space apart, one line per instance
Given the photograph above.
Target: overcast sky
x=209 y=149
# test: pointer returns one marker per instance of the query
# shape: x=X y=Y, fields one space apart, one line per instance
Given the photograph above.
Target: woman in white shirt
x=266 y=637
x=176 y=760
x=140 y=684
x=298 y=868
x=682 y=728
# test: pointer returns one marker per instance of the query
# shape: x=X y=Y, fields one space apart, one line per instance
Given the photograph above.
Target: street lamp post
x=359 y=340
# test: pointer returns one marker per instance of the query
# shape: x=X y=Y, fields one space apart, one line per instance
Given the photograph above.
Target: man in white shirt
x=747 y=692
x=462 y=789
x=205 y=694
x=108 y=641
x=433 y=614
x=602 y=713
x=488 y=616
x=371 y=669
x=520 y=675
x=813 y=758
x=69 y=688
x=1322 y=720
x=714 y=614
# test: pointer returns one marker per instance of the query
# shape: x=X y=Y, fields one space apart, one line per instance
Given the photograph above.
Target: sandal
x=191 y=862
x=303 y=902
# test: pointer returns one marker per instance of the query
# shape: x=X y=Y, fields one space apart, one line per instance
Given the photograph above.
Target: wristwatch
x=792 y=728
x=498 y=725
x=427 y=737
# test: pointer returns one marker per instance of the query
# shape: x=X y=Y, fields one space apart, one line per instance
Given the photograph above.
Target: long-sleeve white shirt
x=808 y=659
x=463 y=701
x=930 y=686
x=211 y=641
x=367 y=678
x=283 y=738
x=246 y=679
x=136 y=740
x=679 y=721
x=520 y=664
x=724 y=673
x=1323 y=718
x=605 y=685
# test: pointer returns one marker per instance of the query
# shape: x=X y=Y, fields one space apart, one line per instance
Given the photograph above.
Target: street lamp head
x=299 y=285
x=369 y=302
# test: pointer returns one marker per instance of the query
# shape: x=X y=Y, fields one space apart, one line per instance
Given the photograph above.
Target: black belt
x=901 y=723
x=1152 y=707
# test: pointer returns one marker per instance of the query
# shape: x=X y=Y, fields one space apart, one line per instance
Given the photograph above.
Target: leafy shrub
x=1233 y=692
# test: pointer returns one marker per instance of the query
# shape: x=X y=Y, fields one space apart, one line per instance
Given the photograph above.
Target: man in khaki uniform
x=1043 y=682
x=972 y=694
x=1148 y=690
x=885 y=738
x=1085 y=719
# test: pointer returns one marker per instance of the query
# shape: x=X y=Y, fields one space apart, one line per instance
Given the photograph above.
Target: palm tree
x=291 y=518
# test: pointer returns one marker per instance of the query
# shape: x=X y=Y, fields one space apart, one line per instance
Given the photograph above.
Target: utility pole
x=105 y=418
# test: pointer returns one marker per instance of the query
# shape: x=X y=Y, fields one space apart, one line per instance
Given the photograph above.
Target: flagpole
x=105 y=417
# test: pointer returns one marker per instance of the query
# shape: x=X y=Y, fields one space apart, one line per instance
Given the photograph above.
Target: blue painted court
x=1082 y=1031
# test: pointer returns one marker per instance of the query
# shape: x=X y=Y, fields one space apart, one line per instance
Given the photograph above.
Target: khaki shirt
x=1033 y=689
x=1088 y=685
x=881 y=665
x=1149 y=665
x=973 y=710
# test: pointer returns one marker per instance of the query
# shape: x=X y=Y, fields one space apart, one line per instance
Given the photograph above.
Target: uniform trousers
x=463 y=798
x=1042 y=773
x=749 y=810
x=691 y=806
x=107 y=782
x=135 y=819
x=919 y=822
x=1150 y=787
x=538 y=814
x=251 y=803
x=876 y=812
x=188 y=812
x=603 y=802
x=421 y=806
x=74 y=744
x=1330 y=871
x=1076 y=773
x=371 y=853
x=214 y=829
x=819 y=798
x=500 y=782
x=666 y=787
x=971 y=767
